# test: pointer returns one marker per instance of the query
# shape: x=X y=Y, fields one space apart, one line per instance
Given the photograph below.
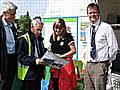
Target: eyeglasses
x=11 y=14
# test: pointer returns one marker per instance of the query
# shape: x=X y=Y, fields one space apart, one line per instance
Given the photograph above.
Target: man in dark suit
x=8 y=36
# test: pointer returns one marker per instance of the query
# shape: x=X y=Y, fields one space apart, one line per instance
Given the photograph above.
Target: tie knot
x=93 y=26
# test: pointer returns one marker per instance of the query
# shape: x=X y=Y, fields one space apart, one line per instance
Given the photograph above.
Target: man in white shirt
x=102 y=49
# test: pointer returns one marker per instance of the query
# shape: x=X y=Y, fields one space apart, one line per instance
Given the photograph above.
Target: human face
x=58 y=29
x=37 y=29
x=10 y=16
x=93 y=14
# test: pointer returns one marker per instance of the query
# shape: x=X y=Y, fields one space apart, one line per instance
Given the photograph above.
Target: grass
x=79 y=85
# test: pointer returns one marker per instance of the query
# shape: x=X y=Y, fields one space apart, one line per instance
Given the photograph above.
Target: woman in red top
x=62 y=44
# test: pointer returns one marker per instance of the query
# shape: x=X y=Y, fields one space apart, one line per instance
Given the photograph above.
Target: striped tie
x=93 y=45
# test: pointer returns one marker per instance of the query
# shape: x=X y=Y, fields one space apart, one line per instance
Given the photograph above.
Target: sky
x=51 y=8
x=34 y=7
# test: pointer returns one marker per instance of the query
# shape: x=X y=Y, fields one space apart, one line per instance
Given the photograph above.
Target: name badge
x=61 y=43
x=91 y=48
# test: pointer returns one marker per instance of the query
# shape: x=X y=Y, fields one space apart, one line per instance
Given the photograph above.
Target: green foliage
x=24 y=23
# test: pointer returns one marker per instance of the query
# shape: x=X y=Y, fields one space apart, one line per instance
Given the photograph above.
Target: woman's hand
x=58 y=55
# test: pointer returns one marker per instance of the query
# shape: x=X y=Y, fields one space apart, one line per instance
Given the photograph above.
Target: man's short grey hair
x=35 y=21
x=8 y=6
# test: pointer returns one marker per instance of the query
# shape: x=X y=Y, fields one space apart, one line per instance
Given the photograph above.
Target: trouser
x=31 y=85
x=1 y=84
x=55 y=83
x=96 y=76
x=11 y=71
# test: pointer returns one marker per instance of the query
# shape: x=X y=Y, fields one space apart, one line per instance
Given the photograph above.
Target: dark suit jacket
x=3 y=49
x=22 y=55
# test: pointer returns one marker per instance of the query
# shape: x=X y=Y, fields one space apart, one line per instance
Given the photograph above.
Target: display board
x=83 y=23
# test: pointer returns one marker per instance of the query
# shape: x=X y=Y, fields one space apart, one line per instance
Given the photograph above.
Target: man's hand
x=40 y=61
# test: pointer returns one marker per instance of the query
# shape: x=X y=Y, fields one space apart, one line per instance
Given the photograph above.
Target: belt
x=11 y=55
x=98 y=62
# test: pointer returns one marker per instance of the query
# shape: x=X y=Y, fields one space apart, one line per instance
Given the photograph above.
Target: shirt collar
x=5 y=23
x=97 y=23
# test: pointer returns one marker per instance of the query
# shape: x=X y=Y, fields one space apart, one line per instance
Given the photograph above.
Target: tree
x=24 y=23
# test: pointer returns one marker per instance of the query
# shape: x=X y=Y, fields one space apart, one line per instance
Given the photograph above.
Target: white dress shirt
x=106 y=43
x=10 y=42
